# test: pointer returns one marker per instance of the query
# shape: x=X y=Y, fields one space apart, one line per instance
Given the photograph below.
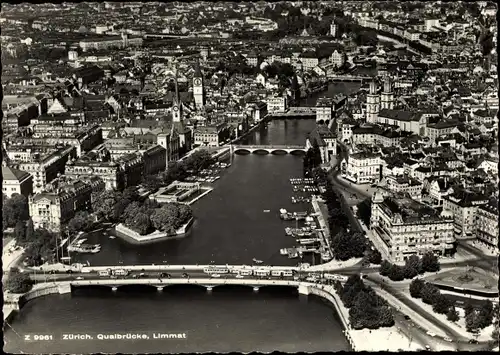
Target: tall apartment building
x=403 y=227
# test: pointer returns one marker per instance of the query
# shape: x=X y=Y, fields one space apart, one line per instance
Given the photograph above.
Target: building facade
x=403 y=227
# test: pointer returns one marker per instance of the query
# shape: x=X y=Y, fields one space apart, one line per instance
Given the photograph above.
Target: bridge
x=295 y=112
x=349 y=78
x=270 y=149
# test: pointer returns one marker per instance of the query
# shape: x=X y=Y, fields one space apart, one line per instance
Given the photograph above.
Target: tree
x=385 y=268
x=430 y=262
x=130 y=194
x=18 y=282
x=375 y=257
x=472 y=321
x=104 y=204
x=151 y=182
x=413 y=267
x=452 y=314
x=429 y=293
x=20 y=232
x=346 y=245
x=30 y=230
x=15 y=209
x=352 y=287
x=365 y=210
x=396 y=273
x=486 y=314
x=416 y=287
x=140 y=223
x=386 y=318
x=441 y=304
x=81 y=222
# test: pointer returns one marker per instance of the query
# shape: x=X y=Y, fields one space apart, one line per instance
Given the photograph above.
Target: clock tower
x=198 y=90
x=176 y=111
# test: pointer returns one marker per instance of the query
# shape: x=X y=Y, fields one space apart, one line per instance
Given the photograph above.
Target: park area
x=466 y=278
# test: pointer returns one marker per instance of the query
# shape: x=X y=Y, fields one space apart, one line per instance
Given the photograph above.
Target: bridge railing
x=88 y=269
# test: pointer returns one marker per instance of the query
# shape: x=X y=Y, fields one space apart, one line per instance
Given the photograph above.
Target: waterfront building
x=326 y=140
x=16 y=182
x=372 y=104
x=50 y=209
x=257 y=111
x=403 y=227
x=463 y=205
x=362 y=167
x=211 y=136
x=277 y=104
x=324 y=110
x=486 y=224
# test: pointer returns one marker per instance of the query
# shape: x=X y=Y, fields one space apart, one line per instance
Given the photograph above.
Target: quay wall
x=134 y=237
x=17 y=301
x=333 y=298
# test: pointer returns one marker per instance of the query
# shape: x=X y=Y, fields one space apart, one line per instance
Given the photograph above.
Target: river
x=231 y=227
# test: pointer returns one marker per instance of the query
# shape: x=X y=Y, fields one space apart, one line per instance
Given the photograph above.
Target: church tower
x=176 y=104
x=333 y=29
x=372 y=104
x=198 y=89
x=387 y=96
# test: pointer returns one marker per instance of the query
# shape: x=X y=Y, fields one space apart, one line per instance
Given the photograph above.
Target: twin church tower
x=375 y=101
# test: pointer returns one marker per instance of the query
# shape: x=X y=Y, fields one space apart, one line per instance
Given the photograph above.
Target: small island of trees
x=142 y=217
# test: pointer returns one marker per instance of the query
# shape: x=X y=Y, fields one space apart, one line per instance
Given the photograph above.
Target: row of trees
x=345 y=244
x=413 y=266
x=39 y=244
x=366 y=308
x=475 y=318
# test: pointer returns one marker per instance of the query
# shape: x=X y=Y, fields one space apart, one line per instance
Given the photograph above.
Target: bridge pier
x=159 y=288
x=256 y=289
x=114 y=288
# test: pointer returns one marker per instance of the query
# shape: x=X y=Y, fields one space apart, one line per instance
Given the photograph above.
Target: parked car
x=79 y=278
x=473 y=341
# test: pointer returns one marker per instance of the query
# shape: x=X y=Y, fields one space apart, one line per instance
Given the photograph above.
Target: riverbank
x=136 y=238
x=13 y=302
x=382 y=339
